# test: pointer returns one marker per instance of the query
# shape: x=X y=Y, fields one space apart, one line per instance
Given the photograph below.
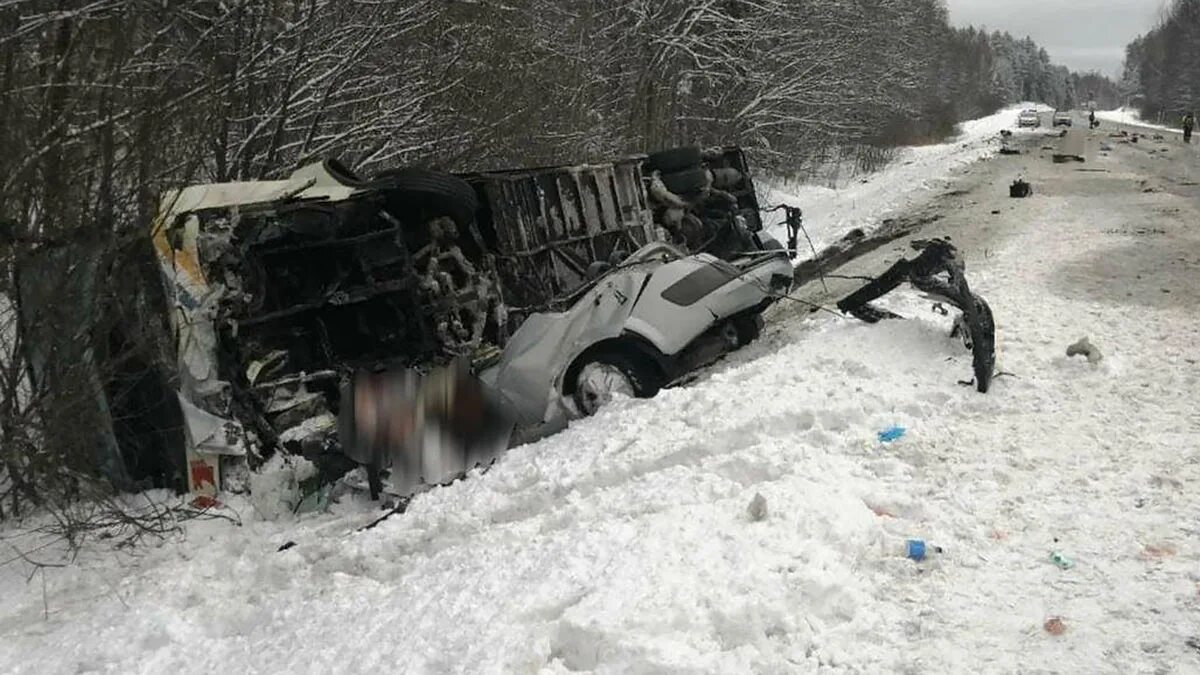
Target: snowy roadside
x=624 y=544
x=1132 y=118
x=909 y=180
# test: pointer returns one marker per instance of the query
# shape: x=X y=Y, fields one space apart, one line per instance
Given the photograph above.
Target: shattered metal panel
x=551 y=224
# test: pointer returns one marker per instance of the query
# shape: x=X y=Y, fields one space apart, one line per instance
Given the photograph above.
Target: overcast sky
x=1080 y=34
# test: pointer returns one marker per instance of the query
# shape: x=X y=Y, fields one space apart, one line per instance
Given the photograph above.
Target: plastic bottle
x=914 y=549
x=1061 y=561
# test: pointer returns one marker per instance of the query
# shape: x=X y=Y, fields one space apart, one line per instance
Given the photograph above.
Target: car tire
x=431 y=192
x=600 y=376
x=690 y=181
x=749 y=328
x=675 y=159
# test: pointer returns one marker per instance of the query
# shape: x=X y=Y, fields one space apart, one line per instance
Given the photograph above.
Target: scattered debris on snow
x=1055 y=626
x=831 y=211
x=1157 y=551
x=1085 y=348
x=758 y=508
x=1061 y=561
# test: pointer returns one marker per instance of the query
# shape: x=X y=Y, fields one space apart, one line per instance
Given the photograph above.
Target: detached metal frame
x=939 y=272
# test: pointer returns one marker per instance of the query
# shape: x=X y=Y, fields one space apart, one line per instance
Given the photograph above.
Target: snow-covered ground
x=1133 y=117
x=916 y=172
x=625 y=544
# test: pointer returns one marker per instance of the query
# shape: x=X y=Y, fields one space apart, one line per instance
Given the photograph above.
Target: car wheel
x=605 y=375
x=676 y=159
x=686 y=182
x=749 y=328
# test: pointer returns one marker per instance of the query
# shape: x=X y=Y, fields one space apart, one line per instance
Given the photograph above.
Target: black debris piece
x=939 y=272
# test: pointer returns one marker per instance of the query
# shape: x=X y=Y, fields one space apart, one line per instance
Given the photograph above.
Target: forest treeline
x=106 y=102
x=1162 y=67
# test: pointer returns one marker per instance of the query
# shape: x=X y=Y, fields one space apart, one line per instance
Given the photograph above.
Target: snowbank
x=1132 y=117
x=622 y=543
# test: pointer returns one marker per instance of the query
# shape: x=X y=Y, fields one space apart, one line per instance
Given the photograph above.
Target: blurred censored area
x=422 y=429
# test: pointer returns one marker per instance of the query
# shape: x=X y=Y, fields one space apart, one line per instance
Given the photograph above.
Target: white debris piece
x=309 y=427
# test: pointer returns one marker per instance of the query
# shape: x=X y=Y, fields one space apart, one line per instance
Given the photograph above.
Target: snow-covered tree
x=1162 y=67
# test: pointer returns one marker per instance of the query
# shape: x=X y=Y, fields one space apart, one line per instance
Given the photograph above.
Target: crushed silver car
x=658 y=315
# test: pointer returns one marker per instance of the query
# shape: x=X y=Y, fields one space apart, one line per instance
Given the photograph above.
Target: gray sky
x=1080 y=34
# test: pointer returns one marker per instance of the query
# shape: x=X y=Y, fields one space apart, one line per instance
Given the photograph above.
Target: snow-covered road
x=915 y=174
x=624 y=544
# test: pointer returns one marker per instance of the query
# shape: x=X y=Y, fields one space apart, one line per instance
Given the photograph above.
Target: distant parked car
x=1062 y=119
x=1029 y=118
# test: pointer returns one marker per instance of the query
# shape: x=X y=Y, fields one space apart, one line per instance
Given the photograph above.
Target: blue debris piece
x=916 y=549
x=890 y=434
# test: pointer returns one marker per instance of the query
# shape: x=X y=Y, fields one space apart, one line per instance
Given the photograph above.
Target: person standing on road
x=1189 y=122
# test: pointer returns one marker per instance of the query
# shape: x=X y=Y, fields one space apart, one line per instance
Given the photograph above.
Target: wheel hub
x=597 y=384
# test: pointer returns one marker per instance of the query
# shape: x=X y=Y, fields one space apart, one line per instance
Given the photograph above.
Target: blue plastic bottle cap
x=916 y=549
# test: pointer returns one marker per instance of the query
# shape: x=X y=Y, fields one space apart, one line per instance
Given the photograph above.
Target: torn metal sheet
x=212 y=435
x=549 y=224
